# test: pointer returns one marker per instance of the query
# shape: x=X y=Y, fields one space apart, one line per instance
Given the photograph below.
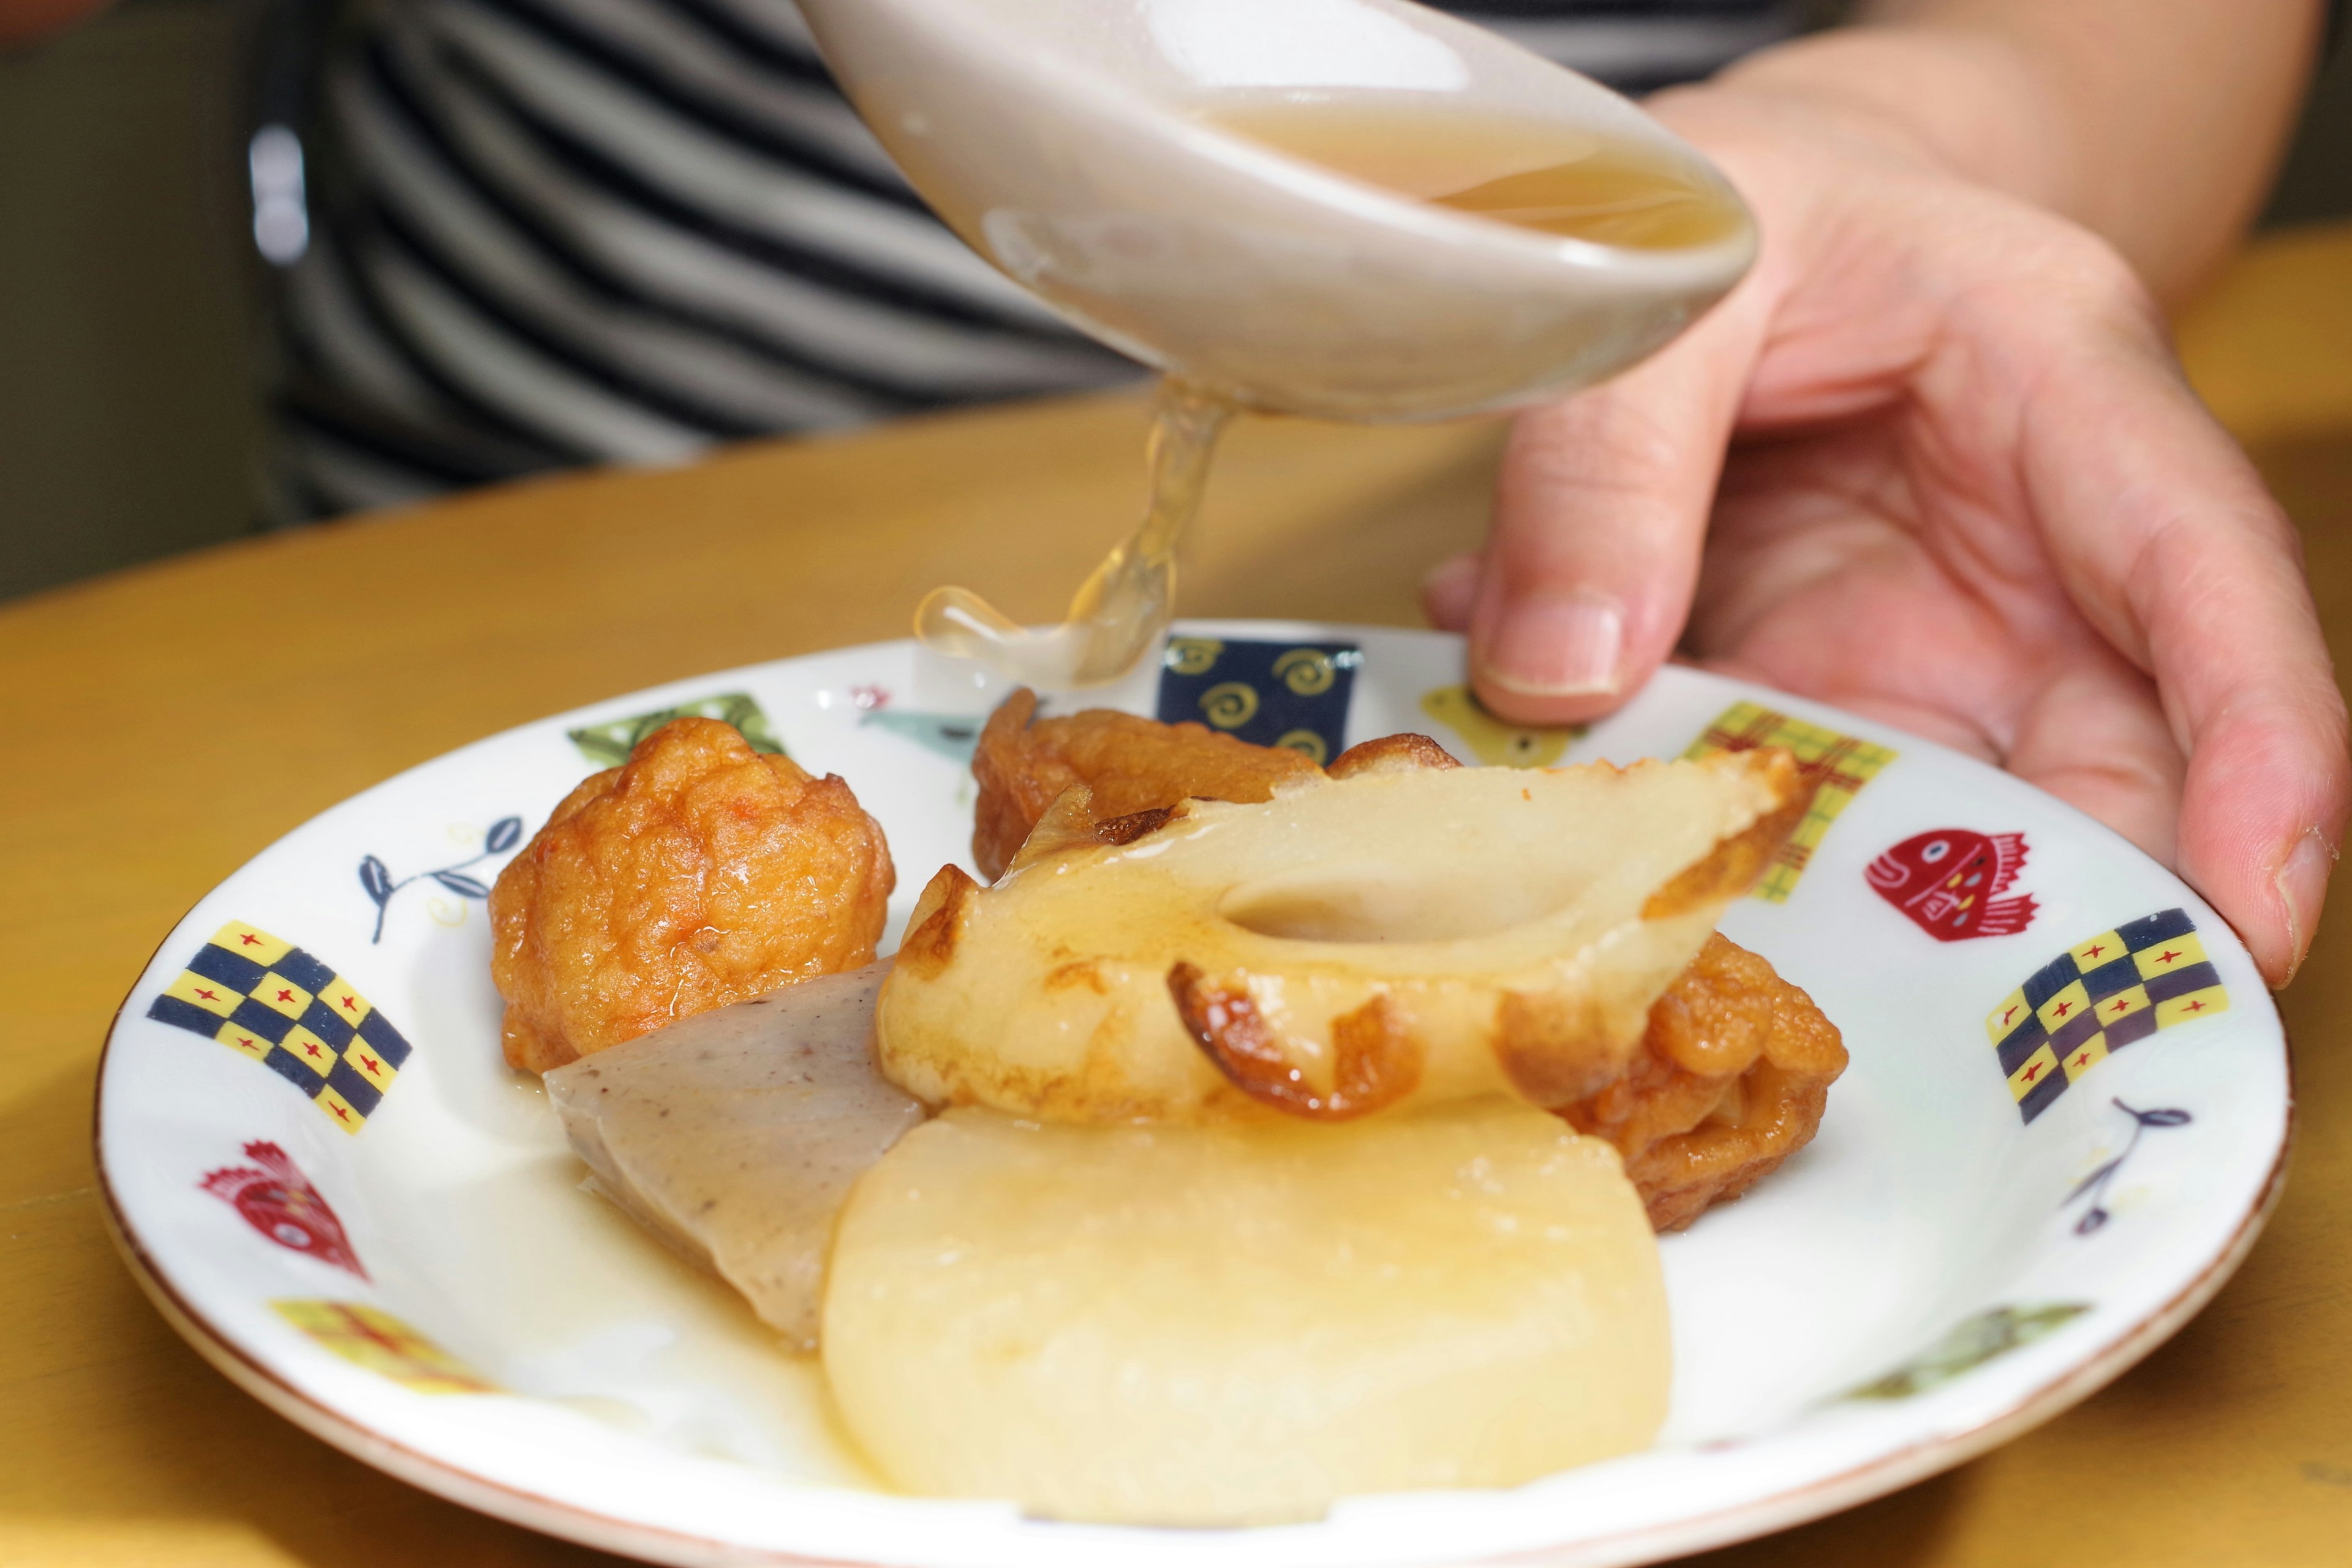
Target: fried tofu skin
x=696 y=874
x=1130 y=763
x=1731 y=1079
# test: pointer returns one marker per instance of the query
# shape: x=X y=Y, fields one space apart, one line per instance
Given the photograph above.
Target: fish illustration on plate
x=279 y=1200
x=1949 y=881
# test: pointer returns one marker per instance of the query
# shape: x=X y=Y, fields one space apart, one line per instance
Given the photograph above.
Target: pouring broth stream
x=1532 y=174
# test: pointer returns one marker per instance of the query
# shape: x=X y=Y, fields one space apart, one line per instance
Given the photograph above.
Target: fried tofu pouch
x=1732 y=1076
x=699 y=873
x=1024 y=763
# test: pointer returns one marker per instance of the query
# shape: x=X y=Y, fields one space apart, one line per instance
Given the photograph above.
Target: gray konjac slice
x=736 y=1136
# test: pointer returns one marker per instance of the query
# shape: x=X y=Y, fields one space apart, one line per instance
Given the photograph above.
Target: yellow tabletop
x=168 y=722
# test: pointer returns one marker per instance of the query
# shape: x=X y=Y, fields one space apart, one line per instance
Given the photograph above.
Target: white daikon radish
x=1237 y=1324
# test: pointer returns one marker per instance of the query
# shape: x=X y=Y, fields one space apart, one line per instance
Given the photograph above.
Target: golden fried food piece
x=1396 y=753
x=1024 y=763
x=1729 y=1081
x=696 y=874
x=1330 y=955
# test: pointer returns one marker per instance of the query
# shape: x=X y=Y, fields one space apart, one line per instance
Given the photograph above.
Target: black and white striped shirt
x=533 y=233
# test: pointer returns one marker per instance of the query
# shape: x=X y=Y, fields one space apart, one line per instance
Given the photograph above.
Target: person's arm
x=25 y=21
x=2156 y=124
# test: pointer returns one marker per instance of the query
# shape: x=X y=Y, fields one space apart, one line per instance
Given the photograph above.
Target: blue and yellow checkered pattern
x=271 y=1001
x=2097 y=997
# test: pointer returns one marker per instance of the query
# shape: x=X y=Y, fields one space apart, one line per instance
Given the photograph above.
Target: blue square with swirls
x=1291 y=694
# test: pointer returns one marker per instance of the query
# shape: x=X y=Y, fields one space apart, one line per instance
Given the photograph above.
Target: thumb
x=1600 y=510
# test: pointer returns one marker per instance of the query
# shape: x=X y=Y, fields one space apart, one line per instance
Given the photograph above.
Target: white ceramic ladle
x=1062 y=140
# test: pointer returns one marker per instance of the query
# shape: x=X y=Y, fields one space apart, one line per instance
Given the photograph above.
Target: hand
x=1967 y=492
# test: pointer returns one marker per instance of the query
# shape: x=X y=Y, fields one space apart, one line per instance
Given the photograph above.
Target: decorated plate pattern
x=2064 y=1121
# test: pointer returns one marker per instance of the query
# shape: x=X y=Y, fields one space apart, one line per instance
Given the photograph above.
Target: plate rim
x=1784 y=1509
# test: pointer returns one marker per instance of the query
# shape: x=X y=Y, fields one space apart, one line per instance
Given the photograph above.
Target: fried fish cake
x=1131 y=764
x=1731 y=1079
x=696 y=874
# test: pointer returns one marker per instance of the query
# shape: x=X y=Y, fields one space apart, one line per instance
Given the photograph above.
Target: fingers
x=2095 y=735
x=1599 y=513
x=2261 y=816
x=1449 y=591
x=2163 y=533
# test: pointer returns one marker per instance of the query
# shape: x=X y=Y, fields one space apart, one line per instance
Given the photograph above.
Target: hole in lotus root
x=1377 y=902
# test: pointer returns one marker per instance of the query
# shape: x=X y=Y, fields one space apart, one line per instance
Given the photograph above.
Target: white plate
x=1931 y=1277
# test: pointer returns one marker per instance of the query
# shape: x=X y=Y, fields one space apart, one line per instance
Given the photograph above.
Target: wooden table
x=150 y=754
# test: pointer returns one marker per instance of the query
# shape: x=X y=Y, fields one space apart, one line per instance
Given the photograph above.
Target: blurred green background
x=129 y=332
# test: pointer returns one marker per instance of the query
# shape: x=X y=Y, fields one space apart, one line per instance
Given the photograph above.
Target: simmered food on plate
x=1301 y=1142
x=696 y=874
x=1128 y=764
x=736 y=1136
x=1237 y=1324
x=1405 y=935
x=1734 y=1069
x=1732 y=1076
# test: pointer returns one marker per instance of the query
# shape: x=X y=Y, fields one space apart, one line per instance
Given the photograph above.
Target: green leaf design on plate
x=609 y=744
x=1990 y=1333
x=952 y=736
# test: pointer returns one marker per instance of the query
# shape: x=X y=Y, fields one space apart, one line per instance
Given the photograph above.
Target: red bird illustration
x=279 y=1202
x=1949 y=882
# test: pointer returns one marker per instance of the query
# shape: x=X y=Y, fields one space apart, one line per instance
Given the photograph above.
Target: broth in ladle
x=1533 y=175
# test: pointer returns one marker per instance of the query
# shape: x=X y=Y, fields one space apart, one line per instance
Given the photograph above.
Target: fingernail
x=1557 y=644
x=2302 y=885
